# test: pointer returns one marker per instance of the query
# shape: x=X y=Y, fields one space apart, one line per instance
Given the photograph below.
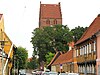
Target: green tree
x=22 y=56
x=33 y=64
x=50 y=39
x=49 y=57
x=77 y=32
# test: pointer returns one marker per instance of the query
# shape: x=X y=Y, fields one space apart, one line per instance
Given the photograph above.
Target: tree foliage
x=77 y=32
x=22 y=57
x=33 y=64
x=49 y=57
x=50 y=39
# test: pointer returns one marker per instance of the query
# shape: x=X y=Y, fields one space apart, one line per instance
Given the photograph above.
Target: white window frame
x=83 y=69
x=92 y=68
x=94 y=46
x=90 y=48
x=85 y=49
x=87 y=69
x=82 y=50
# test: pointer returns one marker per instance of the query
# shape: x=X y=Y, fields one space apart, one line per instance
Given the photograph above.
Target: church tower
x=50 y=14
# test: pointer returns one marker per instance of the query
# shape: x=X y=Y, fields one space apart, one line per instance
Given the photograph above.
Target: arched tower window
x=55 y=21
x=48 y=21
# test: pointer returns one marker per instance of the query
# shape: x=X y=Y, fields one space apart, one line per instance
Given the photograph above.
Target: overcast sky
x=21 y=17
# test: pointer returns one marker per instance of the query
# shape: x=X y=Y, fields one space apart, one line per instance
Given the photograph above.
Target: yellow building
x=7 y=48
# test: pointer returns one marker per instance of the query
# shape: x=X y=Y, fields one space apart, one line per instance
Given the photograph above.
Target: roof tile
x=64 y=58
x=50 y=11
x=93 y=28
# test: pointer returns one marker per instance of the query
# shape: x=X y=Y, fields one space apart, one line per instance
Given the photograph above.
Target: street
x=28 y=74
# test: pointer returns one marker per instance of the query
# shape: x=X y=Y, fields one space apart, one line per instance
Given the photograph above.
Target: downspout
x=7 y=58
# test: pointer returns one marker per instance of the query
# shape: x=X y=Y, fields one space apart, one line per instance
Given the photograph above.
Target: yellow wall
x=8 y=43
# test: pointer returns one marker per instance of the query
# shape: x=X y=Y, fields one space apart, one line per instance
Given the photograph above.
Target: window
x=77 y=52
x=94 y=46
x=48 y=21
x=79 y=69
x=83 y=69
x=55 y=21
x=87 y=69
x=92 y=68
x=89 y=47
x=85 y=49
x=80 y=51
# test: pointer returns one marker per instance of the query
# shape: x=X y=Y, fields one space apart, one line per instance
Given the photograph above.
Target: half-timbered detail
x=87 y=49
x=7 y=49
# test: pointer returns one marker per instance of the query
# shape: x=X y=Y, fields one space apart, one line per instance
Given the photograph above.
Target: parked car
x=63 y=74
x=53 y=73
x=22 y=72
x=33 y=73
x=73 y=74
x=45 y=73
x=37 y=73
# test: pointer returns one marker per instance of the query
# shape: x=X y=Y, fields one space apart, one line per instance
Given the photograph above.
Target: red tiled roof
x=64 y=58
x=50 y=11
x=93 y=28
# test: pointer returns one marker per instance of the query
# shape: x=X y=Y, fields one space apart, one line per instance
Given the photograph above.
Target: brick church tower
x=50 y=14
